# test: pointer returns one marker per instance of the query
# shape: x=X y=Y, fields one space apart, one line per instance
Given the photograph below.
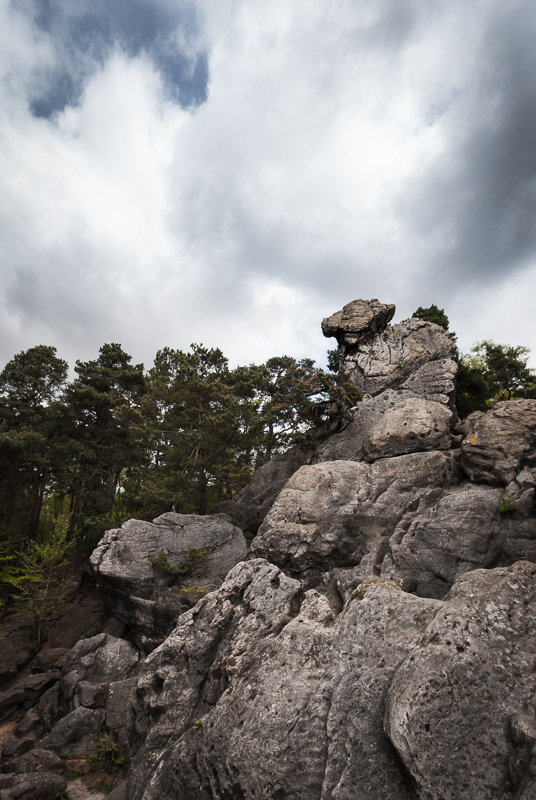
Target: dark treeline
x=117 y=442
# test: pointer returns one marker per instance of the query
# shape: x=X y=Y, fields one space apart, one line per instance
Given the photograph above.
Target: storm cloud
x=231 y=172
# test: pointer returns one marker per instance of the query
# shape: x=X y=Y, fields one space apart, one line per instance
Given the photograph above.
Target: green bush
x=507 y=504
x=107 y=751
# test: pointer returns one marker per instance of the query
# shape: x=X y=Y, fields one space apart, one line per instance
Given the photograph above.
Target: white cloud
x=314 y=174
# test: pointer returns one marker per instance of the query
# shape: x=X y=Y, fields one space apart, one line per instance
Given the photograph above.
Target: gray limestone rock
x=116 y=707
x=460 y=709
x=341 y=513
x=185 y=677
x=102 y=658
x=414 y=355
x=358 y=321
x=294 y=710
x=36 y=760
x=149 y=599
x=462 y=532
x=500 y=443
x=75 y=734
x=32 y=787
x=250 y=506
x=415 y=425
x=347 y=445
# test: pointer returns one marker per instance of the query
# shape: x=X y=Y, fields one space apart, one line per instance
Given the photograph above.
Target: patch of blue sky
x=84 y=32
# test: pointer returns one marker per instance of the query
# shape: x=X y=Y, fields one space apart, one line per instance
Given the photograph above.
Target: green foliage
x=492 y=372
x=41 y=580
x=432 y=314
x=196 y=724
x=185 y=567
x=107 y=751
x=507 y=504
x=333 y=360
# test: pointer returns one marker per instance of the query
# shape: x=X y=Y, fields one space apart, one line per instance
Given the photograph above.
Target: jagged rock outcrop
x=248 y=698
x=376 y=642
x=460 y=710
x=341 y=513
x=149 y=598
x=414 y=355
x=411 y=426
x=501 y=442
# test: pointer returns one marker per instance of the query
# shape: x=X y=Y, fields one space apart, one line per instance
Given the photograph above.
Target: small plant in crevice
x=185 y=567
x=107 y=752
x=507 y=504
x=196 y=724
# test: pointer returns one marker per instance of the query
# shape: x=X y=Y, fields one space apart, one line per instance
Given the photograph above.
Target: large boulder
x=43 y=786
x=341 y=513
x=412 y=426
x=149 y=597
x=358 y=321
x=462 y=532
x=500 y=443
x=460 y=710
x=348 y=444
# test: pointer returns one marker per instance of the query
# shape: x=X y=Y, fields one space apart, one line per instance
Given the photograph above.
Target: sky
x=229 y=172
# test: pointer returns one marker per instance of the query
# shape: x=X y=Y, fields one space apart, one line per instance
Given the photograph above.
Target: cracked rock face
x=262 y=692
x=460 y=710
x=341 y=513
x=414 y=355
x=500 y=443
x=149 y=599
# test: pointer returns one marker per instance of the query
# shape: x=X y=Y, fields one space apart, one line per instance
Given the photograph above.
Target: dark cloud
x=84 y=32
x=475 y=204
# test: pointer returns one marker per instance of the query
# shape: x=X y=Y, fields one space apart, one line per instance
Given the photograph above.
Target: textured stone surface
x=501 y=442
x=146 y=598
x=340 y=513
x=33 y=787
x=463 y=532
x=314 y=706
x=461 y=708
x=75 y=734
x=347 y=445
x=36 y=760
x=358 y=321
x=249 y=508
x=415 y=425
x=184 y=677
x=414 y=355
x=15 y=651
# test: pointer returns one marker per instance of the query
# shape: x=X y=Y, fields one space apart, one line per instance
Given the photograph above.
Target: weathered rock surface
x=374 y=702
x=414 y=355
x=341 y=513
x=249 y=508
x=413 y=426
x=149 y=599
x=462 y=532
x=358 y=321
x=31 y=787
x=501 y=442
x=348 y=444
x=461 y=708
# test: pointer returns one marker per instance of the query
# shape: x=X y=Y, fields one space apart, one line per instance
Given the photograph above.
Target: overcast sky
x=229 y=172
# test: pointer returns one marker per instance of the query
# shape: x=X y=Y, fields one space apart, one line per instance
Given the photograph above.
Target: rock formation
x=377 y=640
